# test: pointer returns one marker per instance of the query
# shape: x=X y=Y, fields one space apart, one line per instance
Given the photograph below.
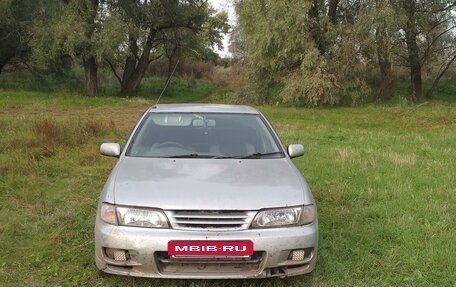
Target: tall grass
x=179 y=88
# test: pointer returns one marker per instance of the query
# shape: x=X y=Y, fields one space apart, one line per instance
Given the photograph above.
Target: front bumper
x=147 y=252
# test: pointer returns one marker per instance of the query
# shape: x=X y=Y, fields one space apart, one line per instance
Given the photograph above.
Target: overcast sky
x=225 y=5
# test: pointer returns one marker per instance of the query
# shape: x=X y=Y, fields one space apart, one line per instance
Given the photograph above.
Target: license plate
x=210 y=248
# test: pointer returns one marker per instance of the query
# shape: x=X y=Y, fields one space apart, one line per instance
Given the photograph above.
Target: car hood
x=209 y=184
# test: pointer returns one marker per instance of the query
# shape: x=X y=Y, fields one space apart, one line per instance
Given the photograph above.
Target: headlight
x=141 y=217
x=286 y=216
x=133 y=216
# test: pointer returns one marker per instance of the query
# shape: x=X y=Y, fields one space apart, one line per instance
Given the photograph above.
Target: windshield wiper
x=253 y=155
x=192 y=155
x=197 y=155
x=260 y=155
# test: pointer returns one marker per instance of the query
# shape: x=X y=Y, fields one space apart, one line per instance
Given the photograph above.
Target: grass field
x=383 y=177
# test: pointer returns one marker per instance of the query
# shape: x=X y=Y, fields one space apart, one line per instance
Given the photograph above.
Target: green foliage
x=123 y=35
x=108 y=38
x=178 y=90
x=302 y=52
x=149 y=30
x=311 y=83
x=282 y=52
x=63 y=31
x=15 y=18
x=25 y=80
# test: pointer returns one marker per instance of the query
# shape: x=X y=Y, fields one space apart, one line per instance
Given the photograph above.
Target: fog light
x=117 y=254
x=120 y=255
x=297 y=255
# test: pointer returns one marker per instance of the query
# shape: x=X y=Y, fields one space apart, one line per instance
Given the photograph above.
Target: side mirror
x=295 y=150
x=110 y=149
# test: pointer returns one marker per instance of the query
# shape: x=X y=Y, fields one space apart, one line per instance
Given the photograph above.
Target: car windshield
x=203 y=135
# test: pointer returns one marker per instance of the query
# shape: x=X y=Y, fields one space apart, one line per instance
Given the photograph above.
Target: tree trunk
x=332 y=11
x=91 y=76
x=413 y=52
x=88 y=12
x=415 y=72
x=134 y=71
x=132 y=79
x=170 y=57
x=314 y=27
x=130 y=63
x=131 y=85
x=128 y=71
x=415 y=82
x=386 y=91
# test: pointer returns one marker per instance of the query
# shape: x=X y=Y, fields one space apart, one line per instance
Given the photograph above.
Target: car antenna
x=167 y=82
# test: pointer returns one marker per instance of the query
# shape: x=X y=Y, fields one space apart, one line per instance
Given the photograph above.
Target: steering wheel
x=169 y=144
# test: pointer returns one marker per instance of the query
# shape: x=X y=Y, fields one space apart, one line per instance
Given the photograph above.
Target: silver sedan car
x=205 y=191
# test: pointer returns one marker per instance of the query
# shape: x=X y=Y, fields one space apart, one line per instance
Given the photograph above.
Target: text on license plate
x=210 y=248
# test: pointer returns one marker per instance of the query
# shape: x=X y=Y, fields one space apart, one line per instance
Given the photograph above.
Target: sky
x=225 y=5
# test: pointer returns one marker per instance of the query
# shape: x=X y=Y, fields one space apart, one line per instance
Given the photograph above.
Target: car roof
x=202 y=108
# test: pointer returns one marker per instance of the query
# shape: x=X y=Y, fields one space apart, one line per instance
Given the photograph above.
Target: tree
x=315 y=28
x=320 y=51
x=185 y=43
x=411 y=34
x=9 y=42
x=127 y=35
x=427 y=33
x=292 y=48
x=148 y=29
x=68 y=29
x=386 y=89
x=375 y=28
x=15 y=17
x=88 y=12
x=237 y=46
x=440 y=43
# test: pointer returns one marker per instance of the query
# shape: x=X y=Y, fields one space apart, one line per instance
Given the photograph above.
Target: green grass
x=444 y=92
x=383 y=178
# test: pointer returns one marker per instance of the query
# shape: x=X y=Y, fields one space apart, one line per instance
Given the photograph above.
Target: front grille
x=210 y=265
x=210 y=219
